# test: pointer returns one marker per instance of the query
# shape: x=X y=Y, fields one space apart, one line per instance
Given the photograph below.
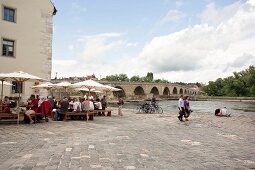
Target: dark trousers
x=181 y=113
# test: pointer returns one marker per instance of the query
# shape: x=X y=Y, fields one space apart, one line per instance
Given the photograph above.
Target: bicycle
x=154 y=108
x=142 y=108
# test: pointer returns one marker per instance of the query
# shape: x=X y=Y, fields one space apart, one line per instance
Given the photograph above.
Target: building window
x=9 y=14
x=17 y=87
x=8 y=47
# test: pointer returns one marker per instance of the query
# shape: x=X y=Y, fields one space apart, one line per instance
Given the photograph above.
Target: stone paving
x=134 y=141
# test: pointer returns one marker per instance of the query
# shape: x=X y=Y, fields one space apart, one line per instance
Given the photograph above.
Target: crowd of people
x=54 y=106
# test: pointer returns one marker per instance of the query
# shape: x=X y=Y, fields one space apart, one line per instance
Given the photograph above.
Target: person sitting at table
x=85 y=105
x=98 y=106
x=76 y=105
x=33 y=108
x=91 y=105
x=6 y=100
x=45 y=109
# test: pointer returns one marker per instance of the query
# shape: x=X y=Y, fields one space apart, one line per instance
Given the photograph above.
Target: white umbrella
x=19 y=77
x=110 y=88
x=2 y=85
x=90 y=84
x=47 y=86
x=63 y=84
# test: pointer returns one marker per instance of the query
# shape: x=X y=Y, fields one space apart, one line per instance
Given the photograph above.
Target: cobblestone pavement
x=134 y=141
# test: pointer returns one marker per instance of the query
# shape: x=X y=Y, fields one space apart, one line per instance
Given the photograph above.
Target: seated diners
x=98 y=106
x=76 y=105
x=70 y=108
x=91 y=105
x=32 y=108
x=61 y=108
x=85 y=105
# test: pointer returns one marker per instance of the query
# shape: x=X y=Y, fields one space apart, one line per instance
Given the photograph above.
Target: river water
x=236 y=108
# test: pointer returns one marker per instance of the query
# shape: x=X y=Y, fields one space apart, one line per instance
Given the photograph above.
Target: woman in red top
x=33 y=108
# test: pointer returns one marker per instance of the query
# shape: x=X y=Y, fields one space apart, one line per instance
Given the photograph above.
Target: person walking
x=181 y=108
x=120 y=104
x=187 y=108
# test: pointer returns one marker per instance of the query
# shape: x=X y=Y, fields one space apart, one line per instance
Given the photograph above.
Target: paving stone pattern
x=133 y=141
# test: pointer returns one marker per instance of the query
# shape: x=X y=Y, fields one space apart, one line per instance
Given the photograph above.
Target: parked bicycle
x=148 y=108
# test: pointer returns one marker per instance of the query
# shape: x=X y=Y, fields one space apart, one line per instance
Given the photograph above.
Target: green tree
x=135 y=79
x=240 y=84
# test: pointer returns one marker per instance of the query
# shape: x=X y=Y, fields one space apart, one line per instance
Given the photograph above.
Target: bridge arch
x=120 y=93
x=181 y=91
x=166 y=91
x=139 y=91
x=154 y=91
x=175 y=90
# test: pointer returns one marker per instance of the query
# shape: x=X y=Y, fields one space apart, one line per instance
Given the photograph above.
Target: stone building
x=26 y=41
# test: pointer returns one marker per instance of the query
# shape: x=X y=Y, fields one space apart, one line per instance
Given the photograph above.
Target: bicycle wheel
x=159 y=110
x=146 y=108
x=137 y=109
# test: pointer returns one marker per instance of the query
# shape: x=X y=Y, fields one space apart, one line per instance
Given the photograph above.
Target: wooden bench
x=8 y=115
x=89 y=115
x=109 y=112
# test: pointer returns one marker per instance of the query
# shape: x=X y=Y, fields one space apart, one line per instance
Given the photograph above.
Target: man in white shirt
x=181 y=108
x=76 y=105
x=91 y=105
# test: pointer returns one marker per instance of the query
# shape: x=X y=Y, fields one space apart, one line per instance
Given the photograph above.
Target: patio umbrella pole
x=2 y=92
x=18 y=108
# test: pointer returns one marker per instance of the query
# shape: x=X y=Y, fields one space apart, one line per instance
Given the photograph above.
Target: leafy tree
x=135 y=79
x=240 y=84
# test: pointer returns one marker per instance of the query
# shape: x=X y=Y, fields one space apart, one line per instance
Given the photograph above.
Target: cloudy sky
x=177 y=40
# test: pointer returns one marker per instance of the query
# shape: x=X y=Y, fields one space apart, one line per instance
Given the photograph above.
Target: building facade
x=26 y=41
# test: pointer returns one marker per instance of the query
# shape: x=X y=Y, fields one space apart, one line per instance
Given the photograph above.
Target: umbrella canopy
x=64 y=84
x=110 y=88
x=46 y=85
x=90 y=84
x=20 y=77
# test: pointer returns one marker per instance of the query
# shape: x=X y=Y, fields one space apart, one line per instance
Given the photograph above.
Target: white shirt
x=91 y=105
x=99 y=105
x=91 y=97
x=224 y=111
x=75 y=105
x=181 y=103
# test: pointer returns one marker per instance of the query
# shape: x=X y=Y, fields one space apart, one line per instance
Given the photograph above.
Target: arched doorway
x=181 y=91
x=155 y=91
x=175 y=90
x=139 y=91
x=120 y=93
x=185 y=91
x=166 y=91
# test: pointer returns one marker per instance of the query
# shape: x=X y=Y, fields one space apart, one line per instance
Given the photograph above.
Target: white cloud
x=204 y=52
x=97 y=46
x=215 y=15
x=172 y=16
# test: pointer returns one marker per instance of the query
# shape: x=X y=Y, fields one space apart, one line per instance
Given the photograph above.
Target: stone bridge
x=139 y=90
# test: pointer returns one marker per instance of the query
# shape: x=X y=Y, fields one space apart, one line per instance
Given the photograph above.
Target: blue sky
x=172 y=39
